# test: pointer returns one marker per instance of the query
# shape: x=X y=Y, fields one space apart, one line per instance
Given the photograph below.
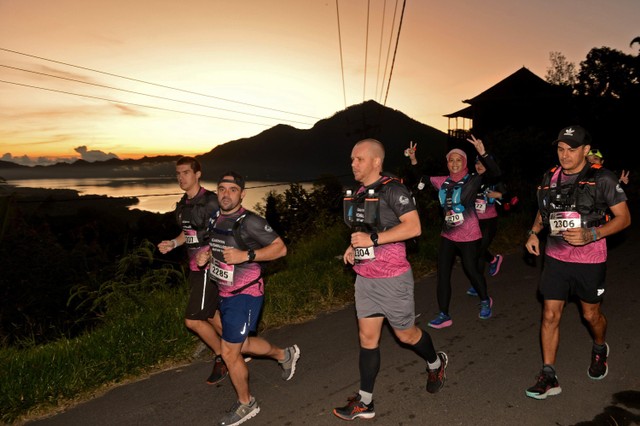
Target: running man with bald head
x=382 y=216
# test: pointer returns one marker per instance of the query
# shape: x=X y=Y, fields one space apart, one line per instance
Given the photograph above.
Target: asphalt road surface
x=491 y=363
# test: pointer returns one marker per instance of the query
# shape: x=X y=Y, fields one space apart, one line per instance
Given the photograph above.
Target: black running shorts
x=203 y=297
x=563 y=279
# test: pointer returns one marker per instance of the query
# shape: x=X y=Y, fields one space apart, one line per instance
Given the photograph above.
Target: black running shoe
x=598 y=369
x=354 y=409
x=219 y=372
x=545 y=386
x=437 y=377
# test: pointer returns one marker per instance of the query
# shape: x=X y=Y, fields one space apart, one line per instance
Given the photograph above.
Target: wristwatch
x=374 y=238
x=531 y=232
x=251 y=255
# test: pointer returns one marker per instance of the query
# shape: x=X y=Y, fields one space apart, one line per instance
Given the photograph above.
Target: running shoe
x=441 y=321
x=485 y=309
x=219 y=372
x=598 y=369
x=291 y=356
x=354 y=409
x=240 y=413
x=472 y=292
x=494 y=265
x=546 y=385
x=437 y=377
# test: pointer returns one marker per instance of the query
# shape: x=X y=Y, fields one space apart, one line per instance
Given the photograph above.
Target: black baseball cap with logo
x=574 y=136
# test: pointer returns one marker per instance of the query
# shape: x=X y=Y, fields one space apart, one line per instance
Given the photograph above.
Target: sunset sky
x=149 y=77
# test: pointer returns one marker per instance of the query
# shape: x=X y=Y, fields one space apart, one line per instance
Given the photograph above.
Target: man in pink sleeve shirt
x=572 y=201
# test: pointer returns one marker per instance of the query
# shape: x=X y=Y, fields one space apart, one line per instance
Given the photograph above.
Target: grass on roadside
x=133 y=339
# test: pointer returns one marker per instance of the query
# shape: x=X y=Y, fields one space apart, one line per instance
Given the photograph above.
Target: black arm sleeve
x=493 y=170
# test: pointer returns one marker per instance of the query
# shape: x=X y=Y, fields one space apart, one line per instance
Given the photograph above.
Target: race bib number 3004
x=364 y=253
x=561 y=221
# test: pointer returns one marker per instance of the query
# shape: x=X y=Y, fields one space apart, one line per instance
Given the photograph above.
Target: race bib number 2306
x=561 y=221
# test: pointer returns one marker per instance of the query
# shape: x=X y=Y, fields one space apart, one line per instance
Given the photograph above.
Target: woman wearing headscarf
x=461 y=230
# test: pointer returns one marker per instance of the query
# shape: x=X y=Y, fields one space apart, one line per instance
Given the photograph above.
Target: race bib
x=221 y=272
x=481 y=205
x=453 y=219
x=191 y=236
x=364 y=253
x=561 y=221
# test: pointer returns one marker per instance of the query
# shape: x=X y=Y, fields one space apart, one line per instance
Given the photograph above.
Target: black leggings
x=489 y=228
x=446 y=257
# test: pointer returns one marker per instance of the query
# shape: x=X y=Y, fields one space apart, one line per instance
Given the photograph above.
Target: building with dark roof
x=520 y=101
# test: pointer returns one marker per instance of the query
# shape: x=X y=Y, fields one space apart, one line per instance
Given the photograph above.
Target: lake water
x=155 y=195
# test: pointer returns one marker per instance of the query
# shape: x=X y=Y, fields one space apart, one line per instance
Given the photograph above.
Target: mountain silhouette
x=281 y=153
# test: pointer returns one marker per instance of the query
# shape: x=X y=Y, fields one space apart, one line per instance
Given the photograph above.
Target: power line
x=155 y=84
x=386 y=62
x=152 y=96
x=133 y=104
x=344 y=90
x=404 y=3
x=366 y=52
x=384 y=10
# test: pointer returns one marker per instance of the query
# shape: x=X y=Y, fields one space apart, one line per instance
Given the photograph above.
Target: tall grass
x=314 y=280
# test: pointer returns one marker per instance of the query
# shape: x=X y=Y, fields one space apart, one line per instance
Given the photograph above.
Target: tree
x=608 y=73
x=634 y=41
x=561 y=71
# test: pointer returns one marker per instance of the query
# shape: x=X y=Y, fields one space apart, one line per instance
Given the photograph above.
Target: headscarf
x=464 y=171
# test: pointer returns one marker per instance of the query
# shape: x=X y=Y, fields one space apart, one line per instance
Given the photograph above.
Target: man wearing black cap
x=572 y=201
x=239 y=239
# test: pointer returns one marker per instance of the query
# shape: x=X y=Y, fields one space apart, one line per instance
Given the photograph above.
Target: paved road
x=491 y=363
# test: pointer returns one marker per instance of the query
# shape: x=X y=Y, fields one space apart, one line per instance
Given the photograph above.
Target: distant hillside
x=9 y=165
x=280 y=153
x=143 y=167
x=283 y=152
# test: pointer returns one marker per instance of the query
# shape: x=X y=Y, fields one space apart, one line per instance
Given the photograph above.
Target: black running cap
x=574 y=136
x=232 y=177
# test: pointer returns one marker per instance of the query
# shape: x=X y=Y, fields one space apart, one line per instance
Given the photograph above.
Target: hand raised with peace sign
x=411 y=152
x=624 y=177
x=477 y=143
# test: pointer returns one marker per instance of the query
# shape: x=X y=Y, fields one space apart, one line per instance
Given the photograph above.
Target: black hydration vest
x=192 y=216
x=579 y=196
x=233 y=238
x=362 y=210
